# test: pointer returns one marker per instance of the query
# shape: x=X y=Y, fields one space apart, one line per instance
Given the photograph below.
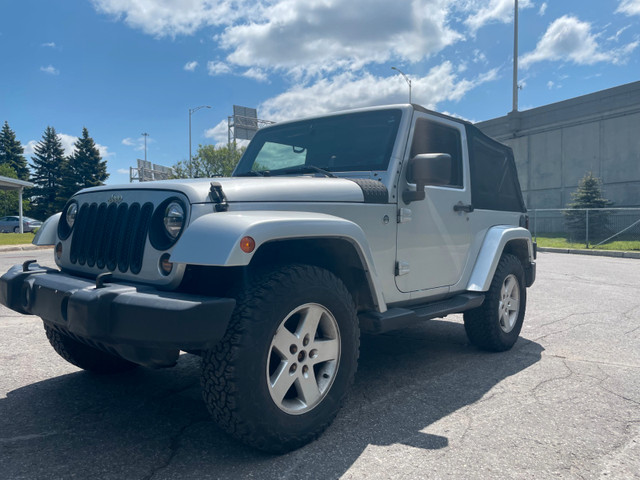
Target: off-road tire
x=485 y=326
x=84 y=356
x=235 y=377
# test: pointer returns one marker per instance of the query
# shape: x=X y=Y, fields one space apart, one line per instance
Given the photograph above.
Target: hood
x=261 y=189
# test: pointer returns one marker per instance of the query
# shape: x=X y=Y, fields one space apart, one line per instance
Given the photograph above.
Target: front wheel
x=279 y=376
x=496 y=324
x=86 y=357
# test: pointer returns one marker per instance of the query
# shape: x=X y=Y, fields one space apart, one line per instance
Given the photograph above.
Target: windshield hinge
x=404 y=215
x=218 y=197
x=402 y=268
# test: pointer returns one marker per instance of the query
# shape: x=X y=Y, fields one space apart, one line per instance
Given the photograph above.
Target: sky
x=122 y=68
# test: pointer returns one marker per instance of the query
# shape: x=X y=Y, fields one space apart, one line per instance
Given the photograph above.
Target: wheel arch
x=499 y=240
x=327 y=241
x=337 y=255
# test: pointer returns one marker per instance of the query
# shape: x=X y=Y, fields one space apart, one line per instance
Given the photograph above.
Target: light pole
x=407 y=79
x=145 y=135
x=515 y=57
x=193 y=110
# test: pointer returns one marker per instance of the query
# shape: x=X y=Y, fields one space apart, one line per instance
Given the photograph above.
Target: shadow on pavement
x=153 y=424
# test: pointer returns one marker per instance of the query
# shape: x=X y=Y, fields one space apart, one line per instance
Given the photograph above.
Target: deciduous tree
x=209 y=161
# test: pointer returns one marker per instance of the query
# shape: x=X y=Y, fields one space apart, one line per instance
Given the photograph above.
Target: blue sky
x=124 y=67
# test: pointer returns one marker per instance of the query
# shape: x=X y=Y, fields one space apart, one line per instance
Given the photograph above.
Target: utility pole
x=515 y=58
x=145 y=135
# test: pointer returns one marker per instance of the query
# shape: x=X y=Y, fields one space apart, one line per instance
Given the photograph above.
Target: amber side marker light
x=247 y=244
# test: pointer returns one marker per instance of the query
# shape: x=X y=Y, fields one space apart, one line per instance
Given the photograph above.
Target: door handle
x=461 y=207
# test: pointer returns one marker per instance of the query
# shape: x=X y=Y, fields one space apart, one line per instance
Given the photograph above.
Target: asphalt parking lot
x=564 y=403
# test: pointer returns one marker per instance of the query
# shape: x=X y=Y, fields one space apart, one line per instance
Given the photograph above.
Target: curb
x=17 y=248
x=595 y=253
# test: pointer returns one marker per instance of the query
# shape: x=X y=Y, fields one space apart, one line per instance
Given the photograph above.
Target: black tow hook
x=25 y=265
x=103 y=278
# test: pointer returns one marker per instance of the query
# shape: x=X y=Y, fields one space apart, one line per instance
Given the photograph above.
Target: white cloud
x=217 y=68
x=68 y=145
x=123 y=171
x=219 y=133
x=29 y=148
x=303 y=37
x=299 y=36
x=543 y=9
x=629 y=7
x=190 y=66
x=174 y=17
x=570 y=39
x=349 y=90
x=550 y=84
x=49 y=44
x=257 y=74
x=497 y=11
x=50 y=69
x=136 y=143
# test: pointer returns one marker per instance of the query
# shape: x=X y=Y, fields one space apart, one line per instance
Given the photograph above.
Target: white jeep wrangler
x=360 y=221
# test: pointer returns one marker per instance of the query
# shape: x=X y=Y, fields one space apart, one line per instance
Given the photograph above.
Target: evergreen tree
x=48 y=164
x=209 y=161
x=11 y=152
x=588 y=195
x=84 y=168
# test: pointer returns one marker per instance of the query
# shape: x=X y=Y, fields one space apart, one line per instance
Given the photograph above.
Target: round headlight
x=174 y=219
x=72 y=212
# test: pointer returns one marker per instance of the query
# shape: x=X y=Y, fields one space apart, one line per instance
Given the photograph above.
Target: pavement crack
x=174 y=446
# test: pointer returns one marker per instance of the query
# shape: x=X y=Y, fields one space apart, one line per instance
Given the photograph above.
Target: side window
x=494 y=178
x=432 y=137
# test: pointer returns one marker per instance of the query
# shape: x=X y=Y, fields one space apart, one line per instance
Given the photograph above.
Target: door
x=433 y=245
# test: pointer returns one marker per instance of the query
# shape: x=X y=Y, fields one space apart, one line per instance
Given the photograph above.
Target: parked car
x=12 y=224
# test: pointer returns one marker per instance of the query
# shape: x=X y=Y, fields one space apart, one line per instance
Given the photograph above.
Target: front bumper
x=116 y=314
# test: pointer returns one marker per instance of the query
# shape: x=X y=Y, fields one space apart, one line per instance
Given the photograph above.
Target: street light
x=407 y=79
x=145 y=135
x=193 y=110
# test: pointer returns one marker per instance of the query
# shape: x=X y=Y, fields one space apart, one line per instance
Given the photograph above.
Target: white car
x=12 y=224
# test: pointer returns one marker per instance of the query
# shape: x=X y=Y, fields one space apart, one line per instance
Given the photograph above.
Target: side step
x=396 y=318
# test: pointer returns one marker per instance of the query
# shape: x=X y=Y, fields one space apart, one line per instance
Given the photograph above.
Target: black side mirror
x=427 y=169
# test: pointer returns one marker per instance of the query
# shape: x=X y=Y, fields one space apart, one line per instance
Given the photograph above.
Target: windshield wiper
x=302 y=169
x=254 y=173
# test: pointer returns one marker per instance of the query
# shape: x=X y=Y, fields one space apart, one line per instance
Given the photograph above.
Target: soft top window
x=494 y=179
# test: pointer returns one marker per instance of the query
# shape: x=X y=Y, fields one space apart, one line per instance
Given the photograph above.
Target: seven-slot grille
x=111 y=236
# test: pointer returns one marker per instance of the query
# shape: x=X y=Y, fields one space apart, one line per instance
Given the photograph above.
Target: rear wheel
x=86 y=357
x=496 y=324
x=280 y=375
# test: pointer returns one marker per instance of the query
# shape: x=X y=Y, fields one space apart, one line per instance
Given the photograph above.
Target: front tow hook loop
x=25 y=265
x=103 y=278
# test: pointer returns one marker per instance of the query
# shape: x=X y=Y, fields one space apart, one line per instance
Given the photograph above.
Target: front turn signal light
x=247 y=244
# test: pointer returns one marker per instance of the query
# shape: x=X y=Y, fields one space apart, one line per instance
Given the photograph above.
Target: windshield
x=341 y=143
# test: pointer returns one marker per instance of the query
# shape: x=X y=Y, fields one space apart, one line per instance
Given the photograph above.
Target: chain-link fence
x=589 y=226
